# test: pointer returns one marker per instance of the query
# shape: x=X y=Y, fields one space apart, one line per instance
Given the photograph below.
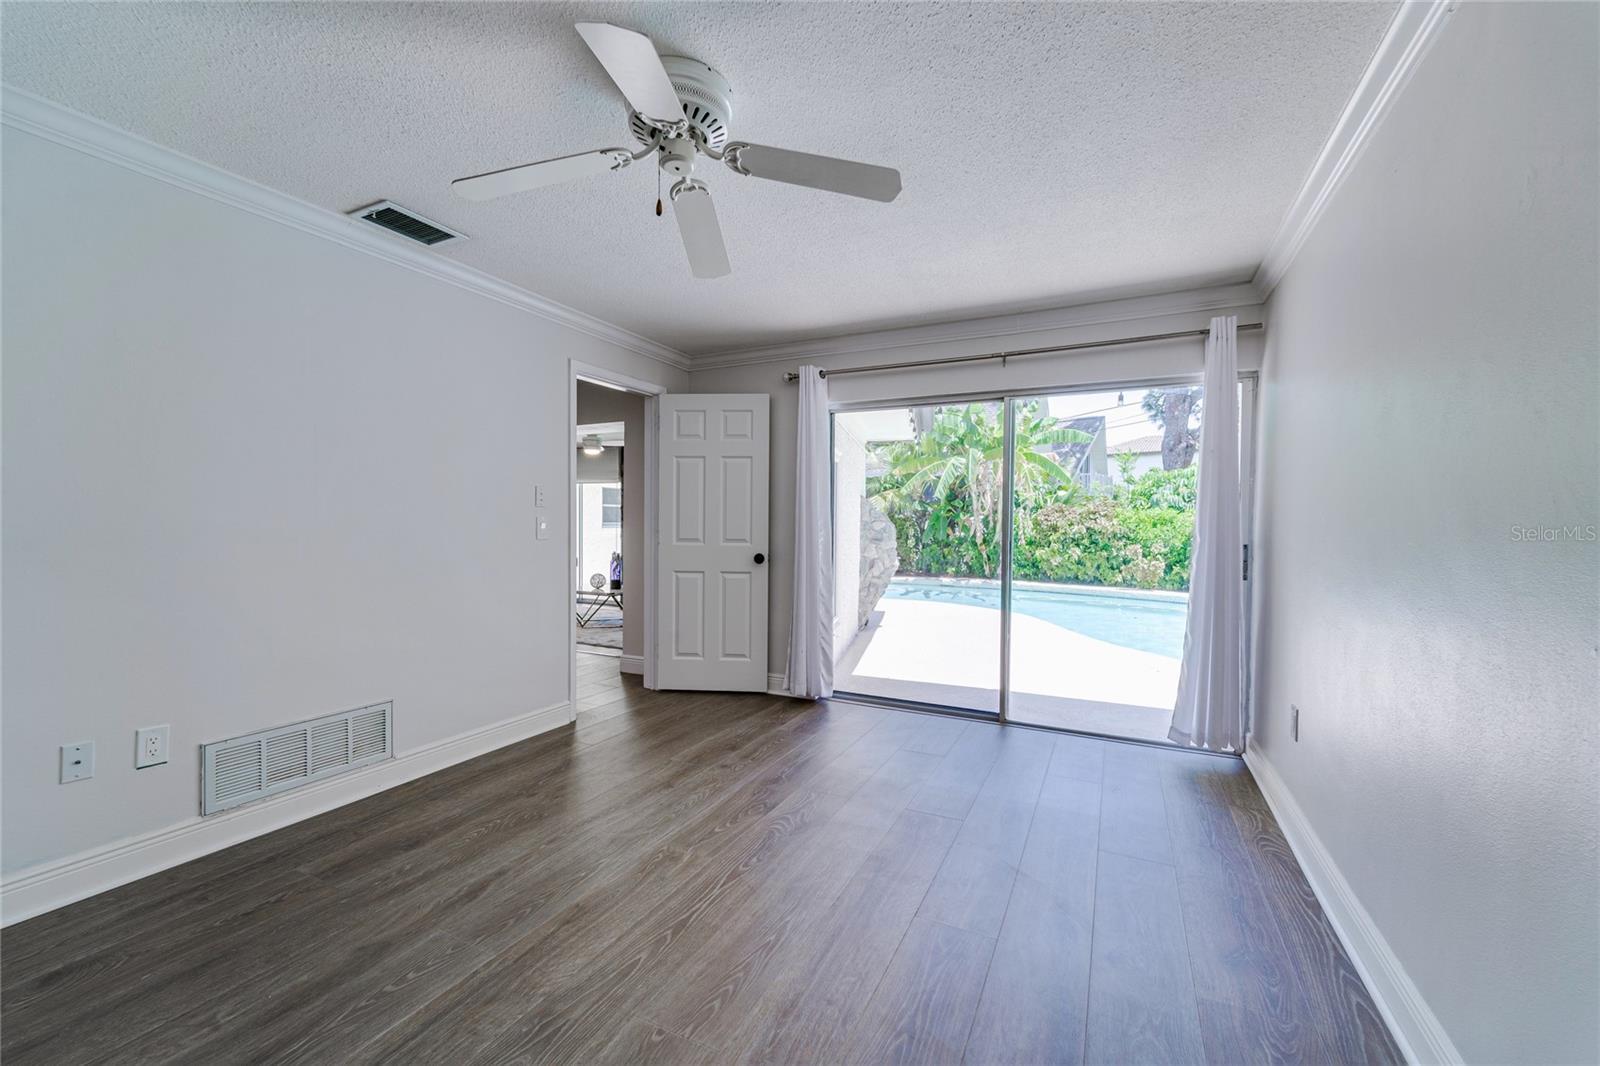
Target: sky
x=1125 y=421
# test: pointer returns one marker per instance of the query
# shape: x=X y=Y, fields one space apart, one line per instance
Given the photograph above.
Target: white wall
x=1148 y=362
x=251 y=476
x=599 y=404
x=596 y=541
x=1431 y=383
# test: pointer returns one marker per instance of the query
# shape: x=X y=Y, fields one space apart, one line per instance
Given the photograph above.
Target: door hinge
x=1247 y=562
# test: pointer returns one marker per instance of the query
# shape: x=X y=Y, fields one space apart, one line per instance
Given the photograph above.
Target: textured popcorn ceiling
x=1050 y=153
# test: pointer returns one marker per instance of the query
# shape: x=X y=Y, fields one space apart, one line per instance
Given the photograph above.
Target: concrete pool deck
x=948 y=653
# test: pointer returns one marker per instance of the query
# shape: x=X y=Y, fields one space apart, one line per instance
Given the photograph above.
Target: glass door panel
x=918 y=498
x=1103 y=520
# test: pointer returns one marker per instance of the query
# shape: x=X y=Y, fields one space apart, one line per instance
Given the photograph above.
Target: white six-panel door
x=711 y=599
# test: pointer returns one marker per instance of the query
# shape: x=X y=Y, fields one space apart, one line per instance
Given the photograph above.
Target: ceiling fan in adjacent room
x=681 y=109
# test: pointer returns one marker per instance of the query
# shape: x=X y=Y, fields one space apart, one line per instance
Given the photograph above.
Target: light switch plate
x=541 y=528
x=77 y=761
x=150 y=746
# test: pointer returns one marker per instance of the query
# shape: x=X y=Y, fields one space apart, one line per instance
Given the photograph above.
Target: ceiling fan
x=680 y=109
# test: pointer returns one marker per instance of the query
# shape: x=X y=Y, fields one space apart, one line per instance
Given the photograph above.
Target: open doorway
x=599 y=508
x=612 y=507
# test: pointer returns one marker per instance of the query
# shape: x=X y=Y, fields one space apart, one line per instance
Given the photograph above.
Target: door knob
x=760 y=558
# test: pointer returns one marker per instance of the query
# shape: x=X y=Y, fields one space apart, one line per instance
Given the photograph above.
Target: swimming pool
x=1130 y=620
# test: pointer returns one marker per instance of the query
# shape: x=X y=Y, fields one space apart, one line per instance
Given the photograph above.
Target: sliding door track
x=945 y=711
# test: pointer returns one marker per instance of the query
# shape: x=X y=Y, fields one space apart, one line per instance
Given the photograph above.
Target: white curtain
x=810 y=673
x=1210 y=708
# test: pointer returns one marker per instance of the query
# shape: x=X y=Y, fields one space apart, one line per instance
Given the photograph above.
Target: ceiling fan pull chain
x=658 y=192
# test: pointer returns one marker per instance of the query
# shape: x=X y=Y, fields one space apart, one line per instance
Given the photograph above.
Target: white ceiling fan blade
x=633 y=64
x=697 y=224
x=537 y=175
x=815 y=171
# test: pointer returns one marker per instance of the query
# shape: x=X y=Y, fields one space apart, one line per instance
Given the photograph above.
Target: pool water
x=1151 y=625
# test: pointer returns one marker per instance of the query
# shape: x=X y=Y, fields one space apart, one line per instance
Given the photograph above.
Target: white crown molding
x=1212 y=298
x=1415 y=28
x=1418 y=1031
x=55 y=884
x=33 y=114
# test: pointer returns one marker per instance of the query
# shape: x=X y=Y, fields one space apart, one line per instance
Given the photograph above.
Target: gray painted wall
x=602 y=467
x=236 y=498
x=1431 y=384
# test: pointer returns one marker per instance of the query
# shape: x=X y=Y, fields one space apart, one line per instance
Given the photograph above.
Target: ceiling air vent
x=263 y=764
x=396 y=219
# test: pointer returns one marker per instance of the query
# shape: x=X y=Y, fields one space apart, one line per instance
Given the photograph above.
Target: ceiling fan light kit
x=680 y=109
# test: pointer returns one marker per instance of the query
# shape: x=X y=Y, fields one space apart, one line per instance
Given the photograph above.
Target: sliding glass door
x=1061 y=602
x=1102 y=525
x=918 y=515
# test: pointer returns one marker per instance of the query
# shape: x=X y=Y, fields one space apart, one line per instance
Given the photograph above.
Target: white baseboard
x=1415 y=1027
x=631 y=664
x=775 y=685
x=55 y=884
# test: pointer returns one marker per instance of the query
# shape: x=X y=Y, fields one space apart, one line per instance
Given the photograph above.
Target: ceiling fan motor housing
x=680 y=108
x=707 y=101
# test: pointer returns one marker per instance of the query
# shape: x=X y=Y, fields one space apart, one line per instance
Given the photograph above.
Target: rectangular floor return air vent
x=263 y=764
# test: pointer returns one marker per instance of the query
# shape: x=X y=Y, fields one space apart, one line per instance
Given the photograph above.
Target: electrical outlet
x=77 y=761
x=1294 y=723
x=538 y=495
x=150 y=746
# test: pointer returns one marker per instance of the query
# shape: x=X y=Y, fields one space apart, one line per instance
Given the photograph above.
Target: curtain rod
x=1002 y=356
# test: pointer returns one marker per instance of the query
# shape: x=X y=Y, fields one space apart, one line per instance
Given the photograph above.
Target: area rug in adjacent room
x=604 y=629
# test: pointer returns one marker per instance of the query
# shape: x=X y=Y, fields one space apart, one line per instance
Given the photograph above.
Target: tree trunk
x=1177 y=442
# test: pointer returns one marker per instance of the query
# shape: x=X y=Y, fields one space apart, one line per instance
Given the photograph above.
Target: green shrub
x=1175 y=490
x=1139 y=536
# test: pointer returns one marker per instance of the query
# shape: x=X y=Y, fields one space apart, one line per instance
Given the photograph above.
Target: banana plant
x=952 y=474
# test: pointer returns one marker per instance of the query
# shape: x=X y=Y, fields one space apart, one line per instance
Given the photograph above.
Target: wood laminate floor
x=705 y=878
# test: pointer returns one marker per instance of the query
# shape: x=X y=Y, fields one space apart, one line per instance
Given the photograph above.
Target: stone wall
x=880 y=558
x=863 y=565
x=849 y=490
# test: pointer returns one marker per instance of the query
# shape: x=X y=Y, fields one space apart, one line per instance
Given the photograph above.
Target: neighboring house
x=1146 y=451
x=1085 y=460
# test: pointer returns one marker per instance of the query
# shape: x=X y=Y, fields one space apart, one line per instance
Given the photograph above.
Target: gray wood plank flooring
x=711 y=878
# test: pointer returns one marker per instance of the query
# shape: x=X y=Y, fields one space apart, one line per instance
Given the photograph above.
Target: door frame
x=649 y=391
x=1249 y=381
